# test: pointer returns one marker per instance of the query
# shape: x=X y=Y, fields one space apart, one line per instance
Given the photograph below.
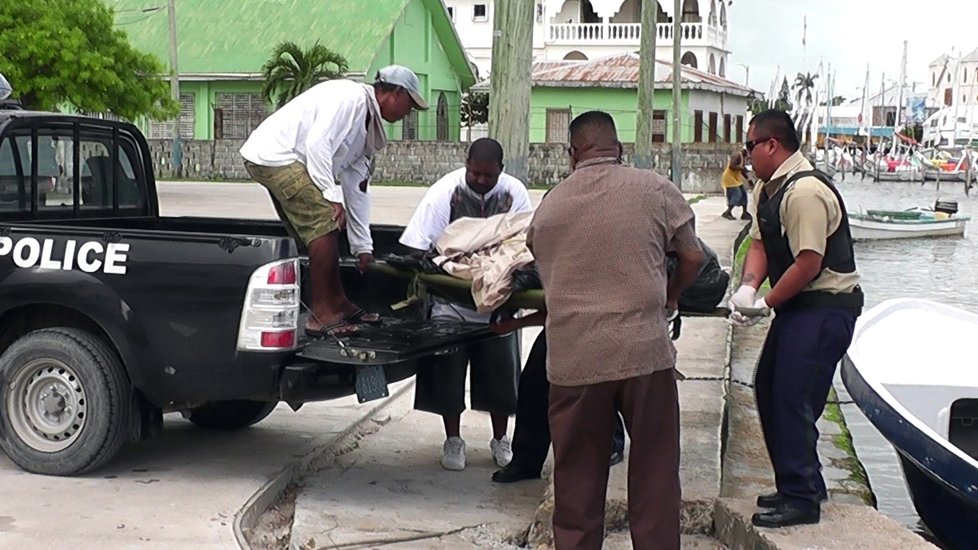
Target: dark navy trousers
x=531 y=437
x=791 y=384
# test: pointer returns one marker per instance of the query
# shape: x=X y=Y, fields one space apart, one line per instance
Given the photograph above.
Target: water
x=936 y=269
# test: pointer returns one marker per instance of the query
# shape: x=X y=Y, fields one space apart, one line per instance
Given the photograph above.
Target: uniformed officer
x=800 y=241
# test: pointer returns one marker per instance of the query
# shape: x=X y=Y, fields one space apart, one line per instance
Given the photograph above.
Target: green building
x=712 y=108
x=222 y=45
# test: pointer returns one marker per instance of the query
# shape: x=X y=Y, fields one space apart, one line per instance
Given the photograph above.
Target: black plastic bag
x=710 y=286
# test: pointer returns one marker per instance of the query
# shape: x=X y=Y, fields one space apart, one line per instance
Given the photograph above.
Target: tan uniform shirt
x=810 y=213
x=599 y=239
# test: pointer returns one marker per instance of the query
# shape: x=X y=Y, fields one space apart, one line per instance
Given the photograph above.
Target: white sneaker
x=502 y=451
x=453 y=454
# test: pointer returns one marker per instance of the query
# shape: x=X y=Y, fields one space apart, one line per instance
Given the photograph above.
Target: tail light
x=270 y=314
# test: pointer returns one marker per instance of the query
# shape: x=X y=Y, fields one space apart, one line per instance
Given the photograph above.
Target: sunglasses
x=755 y=142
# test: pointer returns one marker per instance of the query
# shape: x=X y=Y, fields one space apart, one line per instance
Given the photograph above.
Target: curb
x=272 y=490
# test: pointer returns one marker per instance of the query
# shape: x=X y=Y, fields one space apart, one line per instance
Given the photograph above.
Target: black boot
x=745 y=215
x=786 y=515
x=727 y=214
x=514 y=472
x=773 y=500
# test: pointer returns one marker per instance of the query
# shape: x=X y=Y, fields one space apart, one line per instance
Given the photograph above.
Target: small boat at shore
x=943 y=221
x=910 y=370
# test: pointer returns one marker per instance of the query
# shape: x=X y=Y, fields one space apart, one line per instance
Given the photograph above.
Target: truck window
x=14 y=194
x=55 y=163
x=96 y=173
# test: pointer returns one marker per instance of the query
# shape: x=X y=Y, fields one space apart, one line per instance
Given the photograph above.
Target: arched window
x=933 y=79
x=441 y=117
x=712 y=19
x=723 y=14
x=712 y=67
x=689 y=58
x=662 y=16
x=723 y=67
x=691 y=12
x=575 y=56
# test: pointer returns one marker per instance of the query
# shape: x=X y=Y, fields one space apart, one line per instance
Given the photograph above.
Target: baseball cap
x=405 y=78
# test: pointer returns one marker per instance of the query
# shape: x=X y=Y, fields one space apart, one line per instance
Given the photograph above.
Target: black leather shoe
x=617 y=457
x=786 y=515
x=773 y=500
x=514 y=472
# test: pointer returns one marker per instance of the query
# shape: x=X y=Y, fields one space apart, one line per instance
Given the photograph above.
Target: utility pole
x=510 y=83
x=176 y=155
x=646 y=86
x=677 y=95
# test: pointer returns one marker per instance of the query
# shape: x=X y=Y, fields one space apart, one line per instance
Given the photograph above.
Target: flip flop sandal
x=336 y=328
x=363 y=316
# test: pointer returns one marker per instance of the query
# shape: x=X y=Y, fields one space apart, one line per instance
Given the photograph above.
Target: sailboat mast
x=903 y=78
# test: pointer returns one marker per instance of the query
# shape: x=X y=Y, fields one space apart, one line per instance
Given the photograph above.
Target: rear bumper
x=307 y=381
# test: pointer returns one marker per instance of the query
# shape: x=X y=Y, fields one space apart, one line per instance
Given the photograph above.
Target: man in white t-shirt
x=479 y=190
x=313 y=156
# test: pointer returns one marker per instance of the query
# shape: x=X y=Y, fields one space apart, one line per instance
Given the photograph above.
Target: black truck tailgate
x=394 y=341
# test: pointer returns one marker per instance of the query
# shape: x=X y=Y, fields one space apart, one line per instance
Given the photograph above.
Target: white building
x=953 y=81
x=589 y=29
x=953 y=93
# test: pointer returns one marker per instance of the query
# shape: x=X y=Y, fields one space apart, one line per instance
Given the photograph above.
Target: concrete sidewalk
x=393 y=490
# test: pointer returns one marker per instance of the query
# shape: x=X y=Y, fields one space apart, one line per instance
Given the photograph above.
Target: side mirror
x=5 y=88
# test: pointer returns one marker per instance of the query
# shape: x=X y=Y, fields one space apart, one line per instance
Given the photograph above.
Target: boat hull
x=938 y=479
x=870 y=230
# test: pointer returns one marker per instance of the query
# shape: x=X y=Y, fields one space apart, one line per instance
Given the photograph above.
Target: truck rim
x=47 y=405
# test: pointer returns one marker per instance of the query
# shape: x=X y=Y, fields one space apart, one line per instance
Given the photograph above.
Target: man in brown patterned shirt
x=600 y=240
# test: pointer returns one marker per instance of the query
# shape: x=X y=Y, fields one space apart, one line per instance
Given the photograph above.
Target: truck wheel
x=230 y=415
x=64 y=402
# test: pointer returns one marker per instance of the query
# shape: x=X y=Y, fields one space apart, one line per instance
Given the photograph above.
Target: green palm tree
x=804 y=84
x=292 y=70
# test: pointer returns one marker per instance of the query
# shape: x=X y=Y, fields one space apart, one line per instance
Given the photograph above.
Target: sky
x=849 y=34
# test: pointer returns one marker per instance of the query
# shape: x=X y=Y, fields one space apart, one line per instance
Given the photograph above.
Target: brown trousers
x=581 y=425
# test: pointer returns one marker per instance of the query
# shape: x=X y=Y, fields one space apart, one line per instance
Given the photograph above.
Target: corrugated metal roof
x=235 y=37
x=621 y=71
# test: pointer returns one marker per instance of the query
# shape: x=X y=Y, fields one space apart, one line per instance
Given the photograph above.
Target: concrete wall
x=426 y=161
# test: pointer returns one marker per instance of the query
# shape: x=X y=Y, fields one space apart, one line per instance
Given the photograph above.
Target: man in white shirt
x=313 y=156
x=478 y=190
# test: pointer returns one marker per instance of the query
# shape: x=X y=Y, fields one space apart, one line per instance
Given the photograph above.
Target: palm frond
x=292 y=70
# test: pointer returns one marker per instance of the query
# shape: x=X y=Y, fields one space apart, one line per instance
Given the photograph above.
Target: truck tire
x=230 y=415
x=64 y=402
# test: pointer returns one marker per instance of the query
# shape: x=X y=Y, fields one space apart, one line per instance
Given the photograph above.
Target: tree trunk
x=509 y=92
x=646 y=87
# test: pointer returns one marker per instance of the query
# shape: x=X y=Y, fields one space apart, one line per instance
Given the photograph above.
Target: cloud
x=846 y=34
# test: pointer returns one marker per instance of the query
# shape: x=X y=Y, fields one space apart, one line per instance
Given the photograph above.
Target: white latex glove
x=745 y=296
x=749 y=316
x=738 y=319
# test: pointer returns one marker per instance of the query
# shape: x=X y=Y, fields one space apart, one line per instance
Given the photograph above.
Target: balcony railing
x=693 y=34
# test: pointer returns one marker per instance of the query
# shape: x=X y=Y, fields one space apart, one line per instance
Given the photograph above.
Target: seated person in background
x=481 y=190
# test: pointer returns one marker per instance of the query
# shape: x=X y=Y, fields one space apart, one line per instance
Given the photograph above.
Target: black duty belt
x=819 y=298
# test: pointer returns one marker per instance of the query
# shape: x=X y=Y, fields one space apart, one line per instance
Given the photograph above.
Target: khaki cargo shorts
x=297 y=200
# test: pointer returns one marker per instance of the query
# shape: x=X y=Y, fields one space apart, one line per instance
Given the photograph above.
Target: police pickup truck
x=111 y=315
